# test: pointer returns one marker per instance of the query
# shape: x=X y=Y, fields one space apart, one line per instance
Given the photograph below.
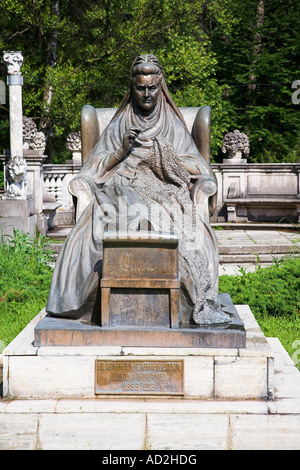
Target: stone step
x=56 y=247
x=263 y=226
x=59 y=233
x=245 y=258
x=231 y=253
x=251 y=258
x=256 y=249
x=234 y=248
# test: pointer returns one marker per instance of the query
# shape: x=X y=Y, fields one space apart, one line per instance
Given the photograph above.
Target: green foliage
x=287 y=330
x=259 y=61
x=279 y=295
x=25 y=275
x=81 y=51
x=273 y=296
x=239 y=57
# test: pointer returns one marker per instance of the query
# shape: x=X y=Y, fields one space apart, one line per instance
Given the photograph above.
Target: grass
x=287 y=331
x=273 y=293
x=25 y=275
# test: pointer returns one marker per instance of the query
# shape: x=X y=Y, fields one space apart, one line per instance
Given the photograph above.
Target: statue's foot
x=210 y=315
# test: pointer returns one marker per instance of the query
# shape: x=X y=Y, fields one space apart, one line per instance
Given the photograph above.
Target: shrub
x=272 y=291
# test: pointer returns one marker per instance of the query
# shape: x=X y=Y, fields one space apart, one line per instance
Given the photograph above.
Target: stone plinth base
x=52 y=331
x=159 y=424
x=17 y=214
x=202 y=419
x=51 y=372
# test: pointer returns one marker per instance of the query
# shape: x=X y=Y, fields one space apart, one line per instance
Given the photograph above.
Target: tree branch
x=18 y=32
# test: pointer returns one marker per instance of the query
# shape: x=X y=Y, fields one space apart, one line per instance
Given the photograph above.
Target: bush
x=273 y=296
x=272 y=291
x=25 y=275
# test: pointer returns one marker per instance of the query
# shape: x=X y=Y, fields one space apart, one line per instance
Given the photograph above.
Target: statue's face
x=146 y=90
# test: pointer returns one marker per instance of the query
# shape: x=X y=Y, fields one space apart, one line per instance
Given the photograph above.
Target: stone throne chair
x=93 y=123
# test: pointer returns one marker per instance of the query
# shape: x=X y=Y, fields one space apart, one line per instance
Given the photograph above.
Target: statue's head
x=146 y=81
x=147 y=86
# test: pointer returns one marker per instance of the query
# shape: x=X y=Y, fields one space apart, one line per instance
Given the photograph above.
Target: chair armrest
x=83 y=190
x=204 y=194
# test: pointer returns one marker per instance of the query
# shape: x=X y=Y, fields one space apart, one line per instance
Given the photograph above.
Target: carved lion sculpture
x=16 y=176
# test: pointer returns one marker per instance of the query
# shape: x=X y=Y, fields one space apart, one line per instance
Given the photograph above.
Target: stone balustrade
x=256 y=192
x=262 y=192
x=56 y=178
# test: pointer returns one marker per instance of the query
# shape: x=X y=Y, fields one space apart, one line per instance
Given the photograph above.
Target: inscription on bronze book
x=138 y=377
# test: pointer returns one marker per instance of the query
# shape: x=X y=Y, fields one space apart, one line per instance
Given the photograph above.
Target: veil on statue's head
x=148 y=64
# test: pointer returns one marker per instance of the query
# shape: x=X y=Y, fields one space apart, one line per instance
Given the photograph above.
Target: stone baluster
x=46 y=182
x=58 y=183
x=52 y=186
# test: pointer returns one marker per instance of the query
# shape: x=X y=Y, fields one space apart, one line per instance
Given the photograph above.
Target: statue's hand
x=129 y=137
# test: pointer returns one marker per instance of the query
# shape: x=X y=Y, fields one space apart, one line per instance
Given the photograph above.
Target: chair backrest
x=105 y=115
x=95 y=120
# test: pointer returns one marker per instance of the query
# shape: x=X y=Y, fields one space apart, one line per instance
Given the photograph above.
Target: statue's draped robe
x=126 y=193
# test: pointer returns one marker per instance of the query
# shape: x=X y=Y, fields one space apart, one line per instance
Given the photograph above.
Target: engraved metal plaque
x=139 y=377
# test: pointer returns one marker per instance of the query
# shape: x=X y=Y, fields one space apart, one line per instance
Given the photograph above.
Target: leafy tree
x=216 y=52
x=79 y=52
x=259 y=61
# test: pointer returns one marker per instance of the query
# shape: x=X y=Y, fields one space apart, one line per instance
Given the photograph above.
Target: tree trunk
x=47 y=123
x=260 y=13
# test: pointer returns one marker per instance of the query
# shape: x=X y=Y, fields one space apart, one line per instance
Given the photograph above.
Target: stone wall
x=257 y=192
x=246 y=192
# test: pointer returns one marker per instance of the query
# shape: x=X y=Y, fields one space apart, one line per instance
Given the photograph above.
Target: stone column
x=14 y=61
x=16 y=205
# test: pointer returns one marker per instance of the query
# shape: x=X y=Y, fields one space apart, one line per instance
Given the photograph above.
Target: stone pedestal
x=49 y=371
x=234 y=161
x=35 y=160
x=17 y=214
x=45 y=206
x=232 y=399
x=56 y=332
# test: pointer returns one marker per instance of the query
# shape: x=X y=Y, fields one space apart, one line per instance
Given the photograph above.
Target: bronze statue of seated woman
x=144 y=173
